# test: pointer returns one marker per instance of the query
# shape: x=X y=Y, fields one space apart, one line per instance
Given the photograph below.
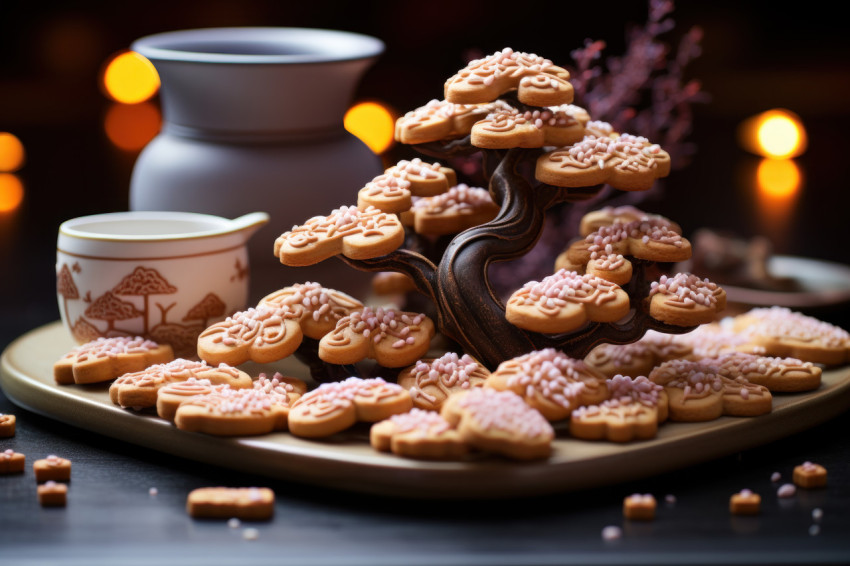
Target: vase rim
x=258 y=45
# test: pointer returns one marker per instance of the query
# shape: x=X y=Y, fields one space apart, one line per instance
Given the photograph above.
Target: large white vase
x=253 y=120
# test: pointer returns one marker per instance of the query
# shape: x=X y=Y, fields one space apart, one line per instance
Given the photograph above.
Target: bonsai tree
x=538 y=150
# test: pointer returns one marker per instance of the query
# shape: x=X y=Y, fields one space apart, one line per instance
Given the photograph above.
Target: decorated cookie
x=639 y=357
x=138 y=390
x=431 y=381
x=12 y=462
x=52 y=494
x=392 y=337
x=697 y=391
x=418 y=434
x=639 y=507
x=779 y=375
x=499 y=422
x=245 y=503
x=809 y=475
x=336 y=406
x=685 y=300
x=716 y=338
x=782 y=332
x=609 y=215
x=626 y=162
x=745 y=502
x=104 y=359
x=318 y=308
x=633 y=412
x=550 y=381
x=354 y=233
x=564 y=301
x=537 y=80
x=52 y=468
x=454 y=211
x=440 y=120
x=264 y=334
x=238 y=412
x=508 y=127
x=171 y=395
x=393 y=190
x=7 y=425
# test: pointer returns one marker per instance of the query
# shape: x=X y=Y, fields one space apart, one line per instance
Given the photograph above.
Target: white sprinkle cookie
x=552 y=126
x=244 y=503
x=633 y=412
x=564 y=301
x=319 y=308
x=392 y=337
x=782 y=332
x=537 y=80
x=431 y=381
x=393 y=190
x=550 y=381
x=104 y=359
x=440 y=120
x=454 y=211
x=626 y=162
x=418 y=434
x=499 y=422
x=779 y=375
x=138 y=390
x=354 y=233
x=685 y=300
x=336 y=406
x=637 y=358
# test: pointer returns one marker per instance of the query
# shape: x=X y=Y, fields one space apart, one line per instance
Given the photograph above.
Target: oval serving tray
x=346 y=461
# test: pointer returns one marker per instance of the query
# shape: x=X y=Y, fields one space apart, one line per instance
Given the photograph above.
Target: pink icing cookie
x=431 y=381
x=608 y=215
x=499 y=422
x=508 y=127
x=263 y=334
x=418 y=434
x=393 y=190
x=564 y=301
x=639 y=357
x=537 y=80
x=334 y=407
x=626 y=162
x=633 y=412
x=454 y=211
x=104 y=359
x=392 y=337
x=354 y=233
x=685 y=300
x=785 y=375
x=319 y=308
x=440 y=120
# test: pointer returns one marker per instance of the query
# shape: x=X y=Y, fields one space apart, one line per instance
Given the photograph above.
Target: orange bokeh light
x=776 y=133
x=12 y=153
x=11 y=192
x=131 y=126
x=129 y=78
x=778 y=179
x=373 y=123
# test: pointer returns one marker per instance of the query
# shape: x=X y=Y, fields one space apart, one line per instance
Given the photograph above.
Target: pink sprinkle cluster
x=639 y=389
x=341 y=222
x=711 y=340
x=504 y=62
x=504 y=411
x=687 y=289
x=339 y=393
x=737 y=364
x=457 y=198
x=113 y=347
x=251 y=322
x=781 y=322
x=420 y=421
x=565 y=286
x=692 y=377
x=382 y=322
x=550 y=374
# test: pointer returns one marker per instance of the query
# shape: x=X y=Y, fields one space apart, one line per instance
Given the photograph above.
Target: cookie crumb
x=12 y=462
x=612 y=532
x=787 y=490
x=817 y=514
x=52 y=468
x=251 y=534
x=637 y=506
x=234 y=523
x=153 y=492
x=775 y=477
x=745 y=502
x=7 y=426
x=52 y=494
x=808 y=475
x=670 y=499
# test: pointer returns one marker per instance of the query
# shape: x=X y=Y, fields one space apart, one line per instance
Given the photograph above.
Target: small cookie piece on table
x=633 y=412
x=745 y=502
x=244 y=503
x=419 y=434
x=564 y=301
x=319 y=308
x=685 y=300
x=104 y=359
x=52 y=494
x=454 y=211
x=392 y=337
x=335 y=406
x=639 y=507
x=7 y=425
x=393 y=190
x=441 y=120
x=431 y=381
x=783 y=375
x=779 y=331
x=354 y=233
x=550 y=381
x=138 y=390
x=52 y=468
x=537 y=80
x=499 y=422
x=626 y=162
x=12 y=462
x=809 y=475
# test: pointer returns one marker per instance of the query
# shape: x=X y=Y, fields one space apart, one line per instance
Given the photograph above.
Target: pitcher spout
x=248 y=224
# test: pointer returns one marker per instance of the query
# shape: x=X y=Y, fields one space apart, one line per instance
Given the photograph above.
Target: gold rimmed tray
x=346 y=461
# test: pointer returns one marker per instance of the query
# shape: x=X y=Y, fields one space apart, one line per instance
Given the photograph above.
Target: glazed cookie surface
x=392 y=337
x=431 y=381
x=104 y=359
x=780 y=375
x=638 y=358
x=454 y=211
x=537 y=80
x=418 y=434
x=393 y=190
x=440 y=120
x=632 y=412
x=685 y=300
x=609 y=215
x=564 y=301
x=508 y=127
x=263 y=334
x=318 y=308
